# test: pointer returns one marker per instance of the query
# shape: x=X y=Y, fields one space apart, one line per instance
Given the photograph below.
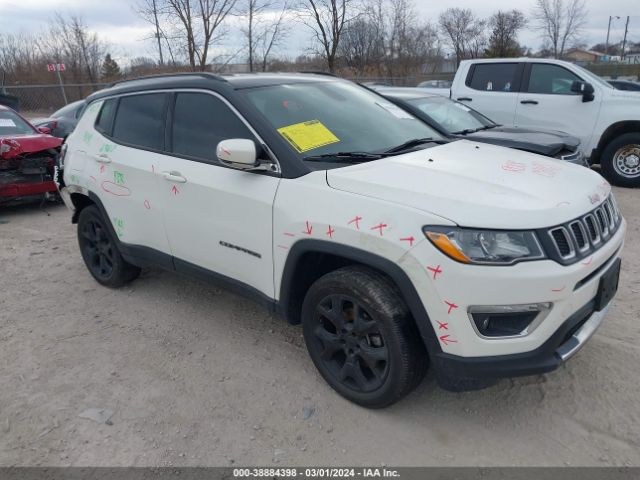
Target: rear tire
x=620 y=160
x=100 y=251
x=361 y=337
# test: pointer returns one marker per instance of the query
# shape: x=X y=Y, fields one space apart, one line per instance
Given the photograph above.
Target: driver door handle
x=464 y=99
x=529 y=102
x=103 y=158
x=174 y=176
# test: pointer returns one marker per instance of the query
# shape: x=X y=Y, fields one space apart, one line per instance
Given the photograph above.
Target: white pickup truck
x=552 y=94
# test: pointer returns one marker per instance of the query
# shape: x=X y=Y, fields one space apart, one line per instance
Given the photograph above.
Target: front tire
x=620 y=160
x=361 y=337
x=100 y=251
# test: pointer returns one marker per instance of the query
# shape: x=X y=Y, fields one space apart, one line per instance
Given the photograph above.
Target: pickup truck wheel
x=621 y=160
x=100 y=252
x=361 y=337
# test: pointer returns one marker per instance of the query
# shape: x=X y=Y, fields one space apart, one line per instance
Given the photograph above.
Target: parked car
x=456 y=120
x=553 y=94
x=27 y=158
x=435 y=84
x=393 y=247
x=625 y=85
x=63 y=121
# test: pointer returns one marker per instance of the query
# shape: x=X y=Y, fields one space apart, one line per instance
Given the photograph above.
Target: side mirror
x=45 y=130
x=583 y=88
x=238 y=153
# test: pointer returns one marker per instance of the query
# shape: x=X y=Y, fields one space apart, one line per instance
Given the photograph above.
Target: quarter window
x=105 y=117
x=551 y=79
x=140 y=120
x=200 y=122
x=494 y=77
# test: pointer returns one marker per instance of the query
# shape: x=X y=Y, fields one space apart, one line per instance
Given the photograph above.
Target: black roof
x=209 y=81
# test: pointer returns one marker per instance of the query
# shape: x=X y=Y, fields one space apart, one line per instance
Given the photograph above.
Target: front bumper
x=560 y=347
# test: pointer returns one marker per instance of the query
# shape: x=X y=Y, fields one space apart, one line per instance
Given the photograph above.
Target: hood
x=21 y=144
x=478 y=185
x=544 y=142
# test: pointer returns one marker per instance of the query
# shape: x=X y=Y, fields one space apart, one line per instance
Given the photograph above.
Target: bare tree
x=464 y=33
x=559 y=22
x=328 y=19
x=503 y=40
x=363 y=43
x=264 y=30
x=197 y=25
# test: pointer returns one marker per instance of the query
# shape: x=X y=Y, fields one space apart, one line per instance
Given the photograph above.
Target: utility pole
x=624 y=41
x=158 y=36
x=606 y=47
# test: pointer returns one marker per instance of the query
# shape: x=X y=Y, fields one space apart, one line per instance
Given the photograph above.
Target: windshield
x=592 y=77
x=452 y=116
x=329 y=117
x=12 y=124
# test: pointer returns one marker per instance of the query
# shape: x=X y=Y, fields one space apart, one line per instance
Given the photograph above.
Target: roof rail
x=174 y=74
x=318 y=72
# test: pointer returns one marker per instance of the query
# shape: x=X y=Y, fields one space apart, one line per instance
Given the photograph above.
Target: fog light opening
x=507 y=321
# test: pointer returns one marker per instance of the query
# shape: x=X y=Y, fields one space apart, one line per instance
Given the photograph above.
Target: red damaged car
x=27 y=158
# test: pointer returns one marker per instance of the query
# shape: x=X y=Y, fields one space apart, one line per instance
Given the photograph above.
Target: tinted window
x=551 y=79
x=105 y=117
x=200 y=122
x=496 y=77
x=140 y=120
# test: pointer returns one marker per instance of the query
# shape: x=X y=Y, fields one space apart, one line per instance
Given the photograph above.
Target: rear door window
x=140 y=120
x=200 y=122
x=494 y=77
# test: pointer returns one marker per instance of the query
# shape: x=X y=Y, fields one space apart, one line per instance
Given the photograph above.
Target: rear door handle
x=174 y=176
x=464 y=99
x=529 y=102
x=103 y=158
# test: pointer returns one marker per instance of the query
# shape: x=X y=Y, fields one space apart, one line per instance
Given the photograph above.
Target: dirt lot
x=197 y=376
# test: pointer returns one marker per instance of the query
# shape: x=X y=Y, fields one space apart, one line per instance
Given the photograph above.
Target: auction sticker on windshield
x=7 y=122
x=306 y=136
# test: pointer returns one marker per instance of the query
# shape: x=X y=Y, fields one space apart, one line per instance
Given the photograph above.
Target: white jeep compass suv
x=392 y=246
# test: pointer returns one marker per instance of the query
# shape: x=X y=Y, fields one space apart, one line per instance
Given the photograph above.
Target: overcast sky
x=117 y=22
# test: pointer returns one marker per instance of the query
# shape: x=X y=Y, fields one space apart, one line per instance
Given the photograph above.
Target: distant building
x=583 y=56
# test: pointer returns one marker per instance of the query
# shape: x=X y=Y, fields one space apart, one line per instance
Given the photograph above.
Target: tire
x=362 y=338
x=620 y=160
x=100 y=251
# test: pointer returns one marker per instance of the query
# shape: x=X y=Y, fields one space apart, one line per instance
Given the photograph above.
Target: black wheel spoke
x=373 y=357
x=349 y=342
x=330 y=342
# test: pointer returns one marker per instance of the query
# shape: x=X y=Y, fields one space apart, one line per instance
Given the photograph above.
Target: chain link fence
x=43 y=100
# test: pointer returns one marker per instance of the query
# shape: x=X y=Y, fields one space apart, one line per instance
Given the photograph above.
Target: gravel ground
x=185 y=374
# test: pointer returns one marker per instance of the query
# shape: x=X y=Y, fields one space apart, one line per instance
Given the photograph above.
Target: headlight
x=485 y=247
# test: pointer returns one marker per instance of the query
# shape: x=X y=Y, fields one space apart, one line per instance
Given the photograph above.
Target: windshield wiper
x=413 y=143
x=467 y=131
x=348 y=156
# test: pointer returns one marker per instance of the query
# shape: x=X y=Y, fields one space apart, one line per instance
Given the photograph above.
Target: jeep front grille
x=582 y=236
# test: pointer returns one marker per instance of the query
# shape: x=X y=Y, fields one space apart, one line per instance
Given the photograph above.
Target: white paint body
x=461 y=183
x=585 y=120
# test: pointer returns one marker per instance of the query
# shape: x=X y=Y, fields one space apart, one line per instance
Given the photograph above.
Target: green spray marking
x=86 y=138
x=75 y=179
x=118 y=177
x=94 y=107
x=118 y=223
x=106 y=148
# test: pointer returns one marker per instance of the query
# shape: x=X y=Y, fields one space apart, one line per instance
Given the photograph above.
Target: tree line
x=372 y=37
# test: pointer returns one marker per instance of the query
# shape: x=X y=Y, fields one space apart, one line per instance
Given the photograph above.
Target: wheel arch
x=613 y=131
x=310 y=259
